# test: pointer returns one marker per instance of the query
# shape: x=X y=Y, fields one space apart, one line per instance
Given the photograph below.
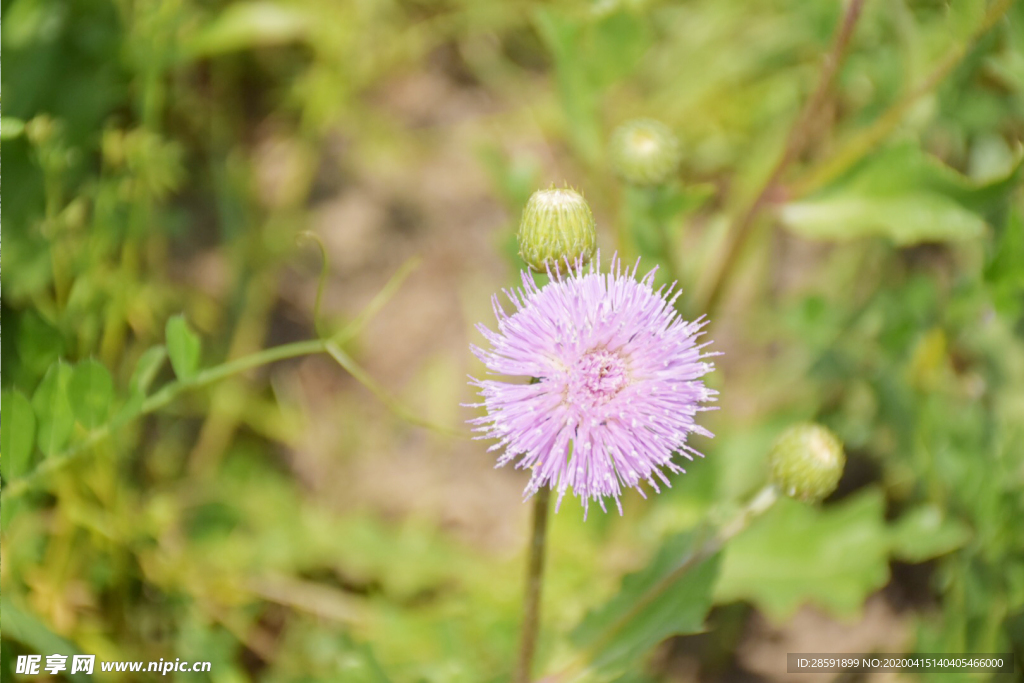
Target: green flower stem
x=209 y=376
x=849 y=154
x=648 y=230
x=310 y=236
x=796 y=141
x=158 y=400
x=758 y=505
x=171 y=391
x=346 y=361
x=868 y=140
x=534 y=583
x=378 y=301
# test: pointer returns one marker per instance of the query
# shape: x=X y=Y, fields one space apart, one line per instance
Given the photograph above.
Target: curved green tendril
x=308 y=235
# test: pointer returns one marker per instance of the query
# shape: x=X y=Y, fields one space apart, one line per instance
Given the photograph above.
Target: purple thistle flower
x=616 y=382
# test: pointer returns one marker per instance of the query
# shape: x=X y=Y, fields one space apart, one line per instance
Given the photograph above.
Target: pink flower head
x=616 y=382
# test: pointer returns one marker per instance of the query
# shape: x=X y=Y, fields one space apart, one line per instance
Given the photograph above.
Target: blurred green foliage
x=880 y=292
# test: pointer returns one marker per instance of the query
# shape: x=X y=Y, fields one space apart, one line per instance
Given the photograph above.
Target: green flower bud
x=557 y=227
x=644 y=152
x=806 y=462
x=41 y=129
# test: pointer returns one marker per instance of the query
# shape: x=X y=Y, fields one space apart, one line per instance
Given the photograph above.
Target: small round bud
x=806 y=462
x=644 y=152
x=40 y=129
x=557 y=227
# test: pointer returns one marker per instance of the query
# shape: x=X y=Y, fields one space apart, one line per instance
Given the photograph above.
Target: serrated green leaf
x=924 y=533
x=91 y=392
x=833 y=557
x=183 y=346
x=651 y=605
x=902 y=193
x=55 y=418
x=909 y=219
x=17 y=434
x=145 y=370
x=906 y=168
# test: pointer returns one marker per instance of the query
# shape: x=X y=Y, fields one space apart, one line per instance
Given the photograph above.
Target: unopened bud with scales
x=644 y=152
x=806 y=462
x=557 y=229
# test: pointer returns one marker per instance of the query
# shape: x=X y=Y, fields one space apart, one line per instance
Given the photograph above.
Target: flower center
x=597 y=378
x=644 y=142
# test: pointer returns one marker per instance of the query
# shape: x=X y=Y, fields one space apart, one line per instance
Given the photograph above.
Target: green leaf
x=910 y=219
x=130 y=409
x=676 y=201
x=591 y=52
x=906 y=168
x=833 y=557
x=579 y=96
x=648 y=232
x=1004 y=275
x=53 y=410
x=652 y=605
x=91 y=392
x=904 y=194
x=25 y=628
x=924 y=533
x=146 y=368
x=39 y=345
x=251 y=24
x=651 y=213
x=17 y=437
x=613 y=47
x=183 y=347
x=515 y=178
x=17 y=434
x=11 y=127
